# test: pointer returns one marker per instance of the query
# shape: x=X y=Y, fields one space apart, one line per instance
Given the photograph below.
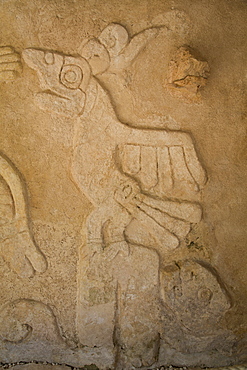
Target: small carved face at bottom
x=193 y=291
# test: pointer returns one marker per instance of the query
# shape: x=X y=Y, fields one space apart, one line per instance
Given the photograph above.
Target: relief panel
x=145 y=186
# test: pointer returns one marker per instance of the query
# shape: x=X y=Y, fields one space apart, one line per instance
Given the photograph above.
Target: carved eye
x=205 y=295
x=71 y=76
x=111 y=42
x=127 y=191
x=49 y=57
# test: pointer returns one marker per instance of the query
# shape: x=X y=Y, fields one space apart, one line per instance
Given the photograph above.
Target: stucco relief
x=145 y=186
x=125 y=168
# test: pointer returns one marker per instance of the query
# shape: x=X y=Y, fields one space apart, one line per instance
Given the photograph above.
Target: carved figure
x=143 y=183
x=16 y=241
x=162 y=164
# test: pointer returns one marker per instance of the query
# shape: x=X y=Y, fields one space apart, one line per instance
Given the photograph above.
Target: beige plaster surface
x=123 y=190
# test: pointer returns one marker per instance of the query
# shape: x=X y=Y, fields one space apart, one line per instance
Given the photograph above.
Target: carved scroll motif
x=16 y=241
x=27 y=320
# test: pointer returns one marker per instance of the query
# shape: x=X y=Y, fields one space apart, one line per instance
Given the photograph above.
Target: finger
x=24 y=269
x=190 y=212
x=6 y=50
x=8 y=75
x=9 y=58
x=123 y=59
x=194 y=166
x=36 y=258
x=174 y=225
x=145 y=231
x=13 y=66
x=15 y=258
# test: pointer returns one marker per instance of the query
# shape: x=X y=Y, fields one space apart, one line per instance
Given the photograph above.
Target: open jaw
x=53 y=93
x=49 y=100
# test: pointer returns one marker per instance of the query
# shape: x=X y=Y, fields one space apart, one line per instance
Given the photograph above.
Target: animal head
x=65 y=80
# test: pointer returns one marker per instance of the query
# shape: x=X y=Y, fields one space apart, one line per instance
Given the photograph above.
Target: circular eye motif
x=127 y=191
x=111 y=41
x=205 y=295
x=71 y=76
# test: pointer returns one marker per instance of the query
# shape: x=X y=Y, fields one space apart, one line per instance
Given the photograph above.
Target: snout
x=34 y=58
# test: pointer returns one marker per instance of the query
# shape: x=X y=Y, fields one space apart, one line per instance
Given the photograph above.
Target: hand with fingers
x=10 y=64
x=158 y=223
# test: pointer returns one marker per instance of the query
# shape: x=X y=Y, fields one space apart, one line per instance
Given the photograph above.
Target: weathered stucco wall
x=123 y=182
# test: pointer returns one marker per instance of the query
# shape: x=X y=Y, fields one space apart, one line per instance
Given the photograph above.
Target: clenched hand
x=10 y=64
